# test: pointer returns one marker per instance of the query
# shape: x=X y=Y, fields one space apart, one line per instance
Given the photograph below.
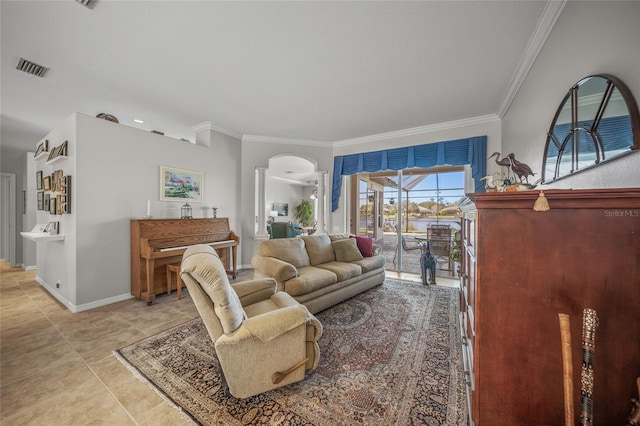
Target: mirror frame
x=612 y=83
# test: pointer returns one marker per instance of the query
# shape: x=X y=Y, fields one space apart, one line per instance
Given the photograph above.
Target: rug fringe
x=150 y=385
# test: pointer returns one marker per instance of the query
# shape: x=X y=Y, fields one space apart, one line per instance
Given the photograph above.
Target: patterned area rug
x=389 y=356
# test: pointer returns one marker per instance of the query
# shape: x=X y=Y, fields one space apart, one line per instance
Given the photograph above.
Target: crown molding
x=545 y=25
x=207 y=125
x=483 y=119
x=285 y=141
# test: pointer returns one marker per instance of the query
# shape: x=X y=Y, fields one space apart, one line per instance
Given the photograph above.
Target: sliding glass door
x=400 y=210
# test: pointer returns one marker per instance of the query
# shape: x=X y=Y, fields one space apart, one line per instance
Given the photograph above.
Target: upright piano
x=156 y=243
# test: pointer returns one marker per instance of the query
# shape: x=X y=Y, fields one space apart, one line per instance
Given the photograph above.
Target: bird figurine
x=519 y=168
x=505 y=162
x=492 y=184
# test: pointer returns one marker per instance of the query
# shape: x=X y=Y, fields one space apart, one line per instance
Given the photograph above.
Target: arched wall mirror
x=597 y=121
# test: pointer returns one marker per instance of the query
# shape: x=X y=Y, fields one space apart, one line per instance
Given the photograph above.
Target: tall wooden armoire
x=520 y=269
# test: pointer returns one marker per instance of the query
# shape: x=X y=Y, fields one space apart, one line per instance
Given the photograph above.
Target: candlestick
x=148 y=215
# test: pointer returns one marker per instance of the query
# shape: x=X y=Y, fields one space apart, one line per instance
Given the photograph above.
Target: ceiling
x=319 y=72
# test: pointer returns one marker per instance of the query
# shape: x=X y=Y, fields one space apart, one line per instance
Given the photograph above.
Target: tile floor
x=58 y=368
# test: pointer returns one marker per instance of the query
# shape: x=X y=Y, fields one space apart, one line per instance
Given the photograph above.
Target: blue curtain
x=471 y=151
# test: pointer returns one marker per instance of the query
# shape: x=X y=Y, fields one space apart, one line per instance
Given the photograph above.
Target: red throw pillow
x=365 y=245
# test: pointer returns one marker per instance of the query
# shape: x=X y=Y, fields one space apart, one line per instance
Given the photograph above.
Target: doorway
x=402 y=209
x=8 y=218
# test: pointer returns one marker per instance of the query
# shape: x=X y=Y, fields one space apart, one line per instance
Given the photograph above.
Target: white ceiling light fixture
x=137 y=120
x=31 y=67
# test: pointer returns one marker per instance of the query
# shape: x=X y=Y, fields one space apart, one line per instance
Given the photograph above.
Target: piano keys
x=156 y=243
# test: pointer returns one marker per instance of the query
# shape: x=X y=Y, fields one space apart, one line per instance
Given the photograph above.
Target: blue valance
x=471 y=151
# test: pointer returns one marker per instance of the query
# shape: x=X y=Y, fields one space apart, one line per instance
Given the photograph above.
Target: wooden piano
x=156 y=243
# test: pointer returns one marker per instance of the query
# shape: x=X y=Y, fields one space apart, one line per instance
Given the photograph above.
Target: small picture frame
x=39 y=180
x=281 y=208
x=46 y=183
x=47 y=202
x=52 y=205
x=40 y=200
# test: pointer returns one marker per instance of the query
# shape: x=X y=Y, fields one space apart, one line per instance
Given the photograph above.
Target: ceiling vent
x=87 y=3
x=31 y=68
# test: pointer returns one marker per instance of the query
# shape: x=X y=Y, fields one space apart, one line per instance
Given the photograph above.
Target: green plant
x=304 y=212
x=456 y=250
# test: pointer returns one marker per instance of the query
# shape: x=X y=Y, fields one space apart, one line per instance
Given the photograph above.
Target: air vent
x=87 y=3
x=31 y=68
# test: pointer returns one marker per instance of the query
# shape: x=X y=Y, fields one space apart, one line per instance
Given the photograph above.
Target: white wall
x=281 y=192
x=588 y=38
x=115 y=170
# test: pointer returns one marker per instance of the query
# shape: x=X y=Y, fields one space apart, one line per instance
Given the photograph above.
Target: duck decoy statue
x=519 y=168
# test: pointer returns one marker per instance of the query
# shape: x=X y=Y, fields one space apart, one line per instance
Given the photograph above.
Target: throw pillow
x=346 y=250
x=365 y=245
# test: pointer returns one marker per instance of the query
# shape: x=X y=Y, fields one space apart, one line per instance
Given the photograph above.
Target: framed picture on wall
x=47 y=202
x=39 y=180
x=40 y=200
x=46 y=183
x=281 y=208
x=181 y=184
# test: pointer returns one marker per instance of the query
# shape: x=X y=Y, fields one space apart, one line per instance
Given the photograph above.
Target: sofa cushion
x=346 y=250
x=343 y=270
x=309 y=279
x=288 y=249
x=336 y=237
x=365 y=245
x=370 y=263
x=319 y=249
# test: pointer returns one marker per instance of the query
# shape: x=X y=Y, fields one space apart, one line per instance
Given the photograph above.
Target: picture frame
x=46 y=183
x=40 y=200
x=52 y=205
x=39 y=180
x=42 y=148
x=181 y=185
x=281 y=208
x=47 y=202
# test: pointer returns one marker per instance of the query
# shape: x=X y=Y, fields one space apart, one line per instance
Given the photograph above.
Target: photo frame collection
x=54 y=192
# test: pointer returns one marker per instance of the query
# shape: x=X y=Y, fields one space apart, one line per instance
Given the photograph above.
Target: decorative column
x=262 y=220
x=321 y=227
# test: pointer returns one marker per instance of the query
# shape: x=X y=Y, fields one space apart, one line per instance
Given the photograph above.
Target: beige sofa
x=319 y=271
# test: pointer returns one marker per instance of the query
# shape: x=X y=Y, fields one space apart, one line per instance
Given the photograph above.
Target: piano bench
x=176 y=269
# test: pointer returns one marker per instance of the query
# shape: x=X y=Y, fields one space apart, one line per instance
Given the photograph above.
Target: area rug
x=389 y=356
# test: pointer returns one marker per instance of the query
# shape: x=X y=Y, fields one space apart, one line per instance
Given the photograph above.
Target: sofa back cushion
x=346 y=250
x=319 y=249
x=290 y=250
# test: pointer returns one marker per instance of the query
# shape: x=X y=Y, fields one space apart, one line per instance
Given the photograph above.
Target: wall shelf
x=42 y=155
x=42 y=236
x=56 y=159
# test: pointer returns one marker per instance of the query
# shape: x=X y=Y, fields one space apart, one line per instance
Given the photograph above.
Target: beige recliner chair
x=263 y=338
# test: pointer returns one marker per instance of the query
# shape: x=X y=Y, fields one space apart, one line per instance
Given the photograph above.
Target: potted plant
x=304 y=212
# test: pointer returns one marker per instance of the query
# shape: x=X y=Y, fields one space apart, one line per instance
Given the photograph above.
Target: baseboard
x=85 y=306
x=29 y=268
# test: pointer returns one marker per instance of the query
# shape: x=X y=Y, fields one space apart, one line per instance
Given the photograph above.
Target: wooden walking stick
x=567 y=368
x=589 y=325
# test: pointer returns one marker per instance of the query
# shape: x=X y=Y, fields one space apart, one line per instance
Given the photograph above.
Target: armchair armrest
x=272 y=267
x=254 y=291
x=267 y=326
